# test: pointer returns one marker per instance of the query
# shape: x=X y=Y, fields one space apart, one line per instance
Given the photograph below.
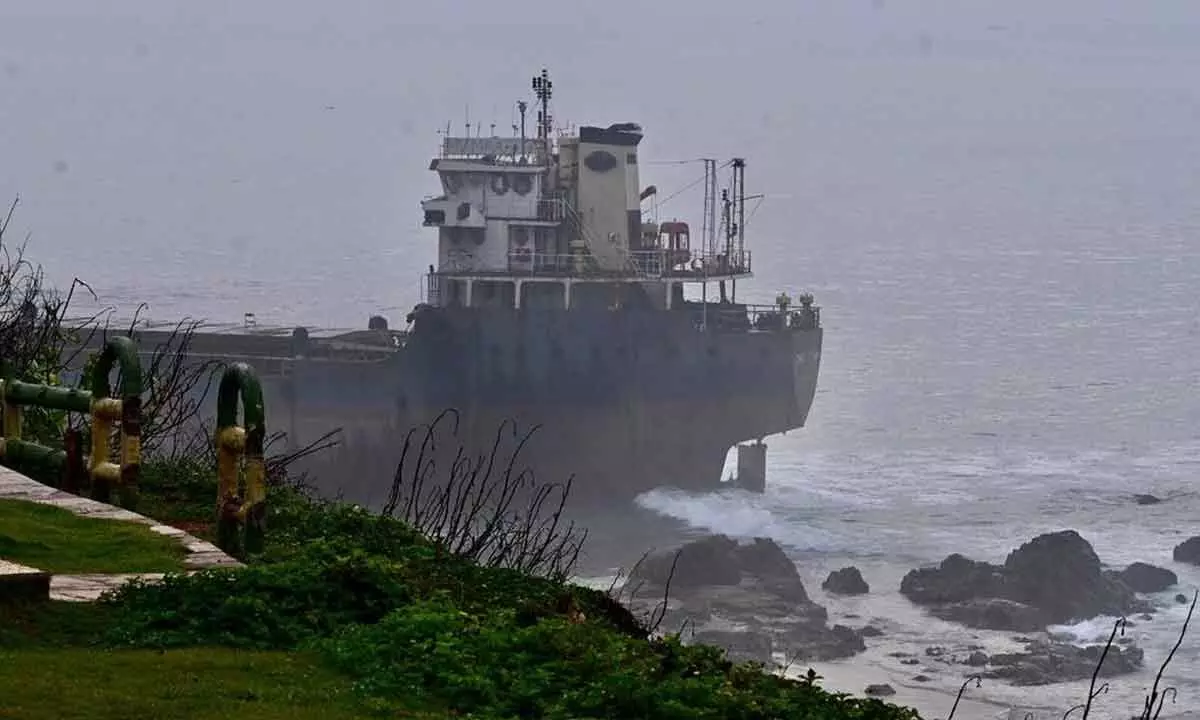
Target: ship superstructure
x=557 y=223
x=554 y=302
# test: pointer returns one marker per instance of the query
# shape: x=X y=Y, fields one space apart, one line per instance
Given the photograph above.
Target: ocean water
x=996 y=204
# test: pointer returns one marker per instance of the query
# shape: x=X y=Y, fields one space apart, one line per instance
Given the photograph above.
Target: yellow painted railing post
x=107 y=411
x=235 y=444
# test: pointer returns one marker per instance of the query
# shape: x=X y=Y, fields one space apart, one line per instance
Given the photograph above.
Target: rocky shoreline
x=748 y=598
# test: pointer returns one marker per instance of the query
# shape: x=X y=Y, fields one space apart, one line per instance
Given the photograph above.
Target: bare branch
x=1118 y=626
x=1149 y=711
x=482 y=507
x=978 y=683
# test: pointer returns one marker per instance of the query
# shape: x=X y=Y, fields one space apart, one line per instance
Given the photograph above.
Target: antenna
x=521 y=107
x=709 y=219
x=543 y=89
x=739 y=174
x=727 y=221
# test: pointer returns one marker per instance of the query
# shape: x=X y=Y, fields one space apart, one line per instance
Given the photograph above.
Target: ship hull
x=619 y=402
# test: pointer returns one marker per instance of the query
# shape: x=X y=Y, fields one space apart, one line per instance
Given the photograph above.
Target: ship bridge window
x=452 y=182
x=435 y=217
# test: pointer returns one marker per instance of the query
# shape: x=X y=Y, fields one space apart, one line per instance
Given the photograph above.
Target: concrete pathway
x=15 y=486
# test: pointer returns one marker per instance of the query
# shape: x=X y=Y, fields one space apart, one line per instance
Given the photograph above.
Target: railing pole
x=235 y=443
x=99 y=463
x=119 y=351
x=73 y=468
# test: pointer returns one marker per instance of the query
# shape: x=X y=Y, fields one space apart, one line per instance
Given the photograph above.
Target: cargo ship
x=556 y=303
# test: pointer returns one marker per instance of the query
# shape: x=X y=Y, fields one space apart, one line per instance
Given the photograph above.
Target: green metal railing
x=240 y=513
x=104 y=410
x=240 y=517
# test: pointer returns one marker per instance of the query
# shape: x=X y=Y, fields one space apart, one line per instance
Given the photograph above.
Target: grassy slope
x=59 y=541
x=70 y=683
x=51 y=667
x=351 y=615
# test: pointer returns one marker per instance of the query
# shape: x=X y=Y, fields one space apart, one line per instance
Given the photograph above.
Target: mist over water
x=995 y=203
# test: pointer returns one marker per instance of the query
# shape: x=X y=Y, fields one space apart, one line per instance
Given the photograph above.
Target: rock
x=848 y=639
x=1054 y=578
x=790 y=589
x=922 y=678
x=755 y=601
x=993 y=614
x=708 y=561
x=1182 y=599
x=763 y=558
x=1145 y=578
x=1060 y=574
x=1046 y=663
x=739 y=646
x=847 y=581
x=810 y=641
x=883 y=690
x=718 y=560
x=1188 y=551
x=977 y=659
x=1141 y=499
x=870 y=631
x=718 y=582
x=957 y=578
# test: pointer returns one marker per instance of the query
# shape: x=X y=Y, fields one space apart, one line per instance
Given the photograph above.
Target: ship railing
x=688 y=264
x=496 y=150
x=551 y=210
x=433 y=289
x=729 y=317
x=523 y=261
x=656 y=264
x=646 y=264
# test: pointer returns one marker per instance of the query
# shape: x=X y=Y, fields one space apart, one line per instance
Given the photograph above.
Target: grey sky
x=293 y=136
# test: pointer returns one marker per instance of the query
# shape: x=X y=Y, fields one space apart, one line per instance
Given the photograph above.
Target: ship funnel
x=607 y=191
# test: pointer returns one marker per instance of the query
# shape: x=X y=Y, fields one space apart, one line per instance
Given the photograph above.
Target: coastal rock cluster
x=1054 y=578
x=747 y=598
x=1046 y=662
x=1188 y=551
x=1144 y=578
x=1043 y=661
x=847 y=581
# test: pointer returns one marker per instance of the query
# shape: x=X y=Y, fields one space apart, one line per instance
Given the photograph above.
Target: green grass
x=200 y=683
x=181 y=492
x=52 y=624
x=348 y=614
x=58 y=541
